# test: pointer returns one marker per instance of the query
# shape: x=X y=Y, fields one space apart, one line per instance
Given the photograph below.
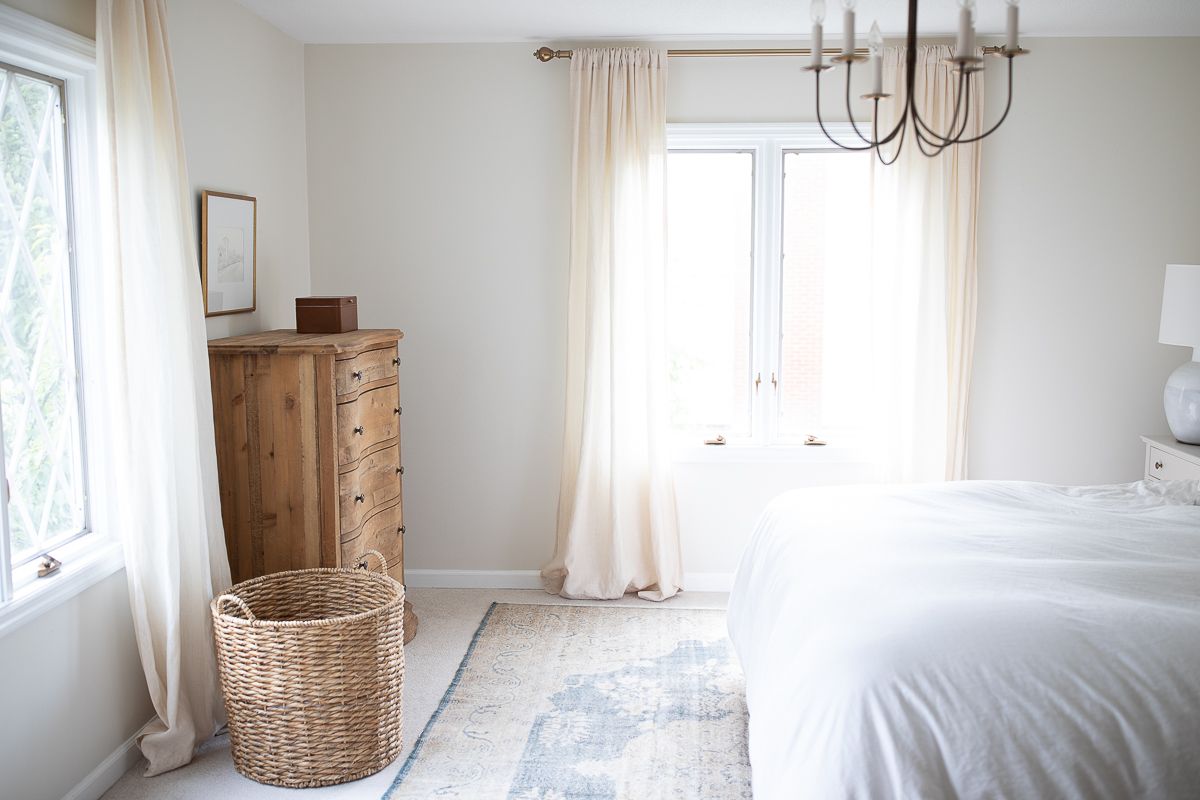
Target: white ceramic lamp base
x=1181 y=401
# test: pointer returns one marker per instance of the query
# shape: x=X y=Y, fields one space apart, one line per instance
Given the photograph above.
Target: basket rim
x=398 y=600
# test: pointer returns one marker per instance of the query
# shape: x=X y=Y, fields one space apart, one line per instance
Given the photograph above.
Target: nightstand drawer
x=1170 y=467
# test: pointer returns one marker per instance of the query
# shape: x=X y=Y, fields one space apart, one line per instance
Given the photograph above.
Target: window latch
x=717 y=441
x=48 y=565
x=757 y=382
x=813 y=441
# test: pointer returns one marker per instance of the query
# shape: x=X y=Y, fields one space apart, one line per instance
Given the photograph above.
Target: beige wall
x=1089 y=190
x=439 y=191
x=439 y=195
x=77 y=16
x=240 y=84
x=72 y=690
x=241 y=93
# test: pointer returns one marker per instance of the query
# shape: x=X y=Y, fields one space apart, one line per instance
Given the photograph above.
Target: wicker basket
x=312 y=664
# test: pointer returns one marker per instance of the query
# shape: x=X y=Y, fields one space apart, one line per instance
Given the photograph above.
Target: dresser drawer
x=1169 y=467
x=351 y=374
x=373 y=418
x=373 y=483
x=383 y=531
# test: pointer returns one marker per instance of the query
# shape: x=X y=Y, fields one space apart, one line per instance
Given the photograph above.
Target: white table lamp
x=1180 y=325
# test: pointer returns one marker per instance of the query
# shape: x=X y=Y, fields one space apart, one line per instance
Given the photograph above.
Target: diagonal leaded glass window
x=39 y=380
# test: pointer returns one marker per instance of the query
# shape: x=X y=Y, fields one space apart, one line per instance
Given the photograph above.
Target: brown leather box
x=326 y=314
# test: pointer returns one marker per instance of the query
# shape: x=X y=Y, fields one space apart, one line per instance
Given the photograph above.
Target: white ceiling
x=551 y=21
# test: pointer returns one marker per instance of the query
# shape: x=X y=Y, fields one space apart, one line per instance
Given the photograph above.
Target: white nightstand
x=1169 y=460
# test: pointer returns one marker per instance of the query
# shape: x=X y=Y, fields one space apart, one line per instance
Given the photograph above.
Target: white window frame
x=34 y=44
x=767 y=142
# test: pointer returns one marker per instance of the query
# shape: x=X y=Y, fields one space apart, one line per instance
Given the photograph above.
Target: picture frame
x=228 y=253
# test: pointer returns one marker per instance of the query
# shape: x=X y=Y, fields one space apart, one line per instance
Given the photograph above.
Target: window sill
x=85 y=563
x=771 y=454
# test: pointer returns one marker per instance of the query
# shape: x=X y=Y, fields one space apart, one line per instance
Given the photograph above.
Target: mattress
x=974 y=640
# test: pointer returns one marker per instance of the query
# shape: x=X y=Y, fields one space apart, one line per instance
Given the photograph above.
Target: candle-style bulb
x=817 y=11
x=1013 y=42
x=875 y=45
x=849 y=4
x=969 y=5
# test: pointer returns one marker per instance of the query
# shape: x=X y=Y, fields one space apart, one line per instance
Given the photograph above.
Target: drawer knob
x=400 y=530
x=360 y=498
x=1158 y=465
x=399 y=470
x=357 y=374
x=359 y=430
x=395 y=362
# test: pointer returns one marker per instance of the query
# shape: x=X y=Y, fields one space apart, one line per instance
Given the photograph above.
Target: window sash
x=768 y=143
x=31 y=47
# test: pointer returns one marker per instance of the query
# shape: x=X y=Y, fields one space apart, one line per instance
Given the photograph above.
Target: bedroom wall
x=63 y=727
x=241 y=94
x=1088 y=192
x=439 y=189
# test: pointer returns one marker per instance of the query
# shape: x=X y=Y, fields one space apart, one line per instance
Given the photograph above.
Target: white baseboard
x=473 y=578
x=532 y=579
x=110 y=770
x=707 y=581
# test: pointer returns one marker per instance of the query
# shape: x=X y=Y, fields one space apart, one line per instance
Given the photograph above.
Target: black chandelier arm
x=1004 y=116
x=937 y=142
x=900 y=128
x=849 y=113
x=955 y=132
x=828 y=135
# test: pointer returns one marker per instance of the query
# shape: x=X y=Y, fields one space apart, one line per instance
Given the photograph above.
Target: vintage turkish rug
x=557 y=702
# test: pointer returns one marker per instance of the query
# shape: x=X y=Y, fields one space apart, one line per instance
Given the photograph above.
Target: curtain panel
x=617 y=525
x=163 y=469
x=923 y=222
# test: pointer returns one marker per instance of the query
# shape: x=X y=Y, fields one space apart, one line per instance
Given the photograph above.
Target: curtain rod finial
x=543 y=54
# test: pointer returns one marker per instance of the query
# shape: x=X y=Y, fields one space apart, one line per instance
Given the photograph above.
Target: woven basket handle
x=237 y=601
x=362 y=560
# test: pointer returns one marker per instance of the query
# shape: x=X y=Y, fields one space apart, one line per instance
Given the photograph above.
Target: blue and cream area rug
x=557 y=702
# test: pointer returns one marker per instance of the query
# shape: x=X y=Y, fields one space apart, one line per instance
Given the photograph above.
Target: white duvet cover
x=973 y=640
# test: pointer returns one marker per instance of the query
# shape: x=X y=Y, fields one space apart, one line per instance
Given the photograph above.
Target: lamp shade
x=1180 y=323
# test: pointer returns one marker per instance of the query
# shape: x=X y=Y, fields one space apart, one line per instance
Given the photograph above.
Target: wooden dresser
x=308 y=450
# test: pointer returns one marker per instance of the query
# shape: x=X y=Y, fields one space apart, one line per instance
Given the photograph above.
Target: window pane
x=825 y=324
x=38 y=403
x=710 y=218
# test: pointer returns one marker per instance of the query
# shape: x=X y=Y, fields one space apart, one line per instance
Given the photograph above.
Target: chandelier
x=964 y=63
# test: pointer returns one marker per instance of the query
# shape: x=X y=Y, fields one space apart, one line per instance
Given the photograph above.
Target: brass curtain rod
x=545 y=54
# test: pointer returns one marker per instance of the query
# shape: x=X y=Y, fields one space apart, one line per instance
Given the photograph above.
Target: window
x=768 y=270
x=46 y=102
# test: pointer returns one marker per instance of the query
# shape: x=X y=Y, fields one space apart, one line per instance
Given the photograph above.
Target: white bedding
x=973 y=640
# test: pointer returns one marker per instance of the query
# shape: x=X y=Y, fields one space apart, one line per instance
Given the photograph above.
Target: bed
x=973 y=640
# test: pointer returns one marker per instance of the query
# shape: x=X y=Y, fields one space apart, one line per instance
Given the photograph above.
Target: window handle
x=720 y=440
x=774 y=382
x=757 y=382
x=48 y=565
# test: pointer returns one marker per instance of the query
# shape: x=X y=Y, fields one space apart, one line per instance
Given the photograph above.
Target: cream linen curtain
x=164 y=478
x=924 y=214
x=617 y=527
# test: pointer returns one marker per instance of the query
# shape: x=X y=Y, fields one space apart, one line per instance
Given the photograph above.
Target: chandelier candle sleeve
x=817 y=12
x=875 y=42
x=966 y=30
x=848 y=24
x=1013 y=44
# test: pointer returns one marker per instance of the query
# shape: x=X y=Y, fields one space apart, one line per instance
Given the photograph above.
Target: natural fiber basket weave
x=312 y=664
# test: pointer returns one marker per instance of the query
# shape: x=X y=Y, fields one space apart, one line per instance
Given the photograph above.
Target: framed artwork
x=228 y=252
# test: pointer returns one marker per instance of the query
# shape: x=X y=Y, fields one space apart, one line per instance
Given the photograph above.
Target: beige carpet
x=449 y=618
